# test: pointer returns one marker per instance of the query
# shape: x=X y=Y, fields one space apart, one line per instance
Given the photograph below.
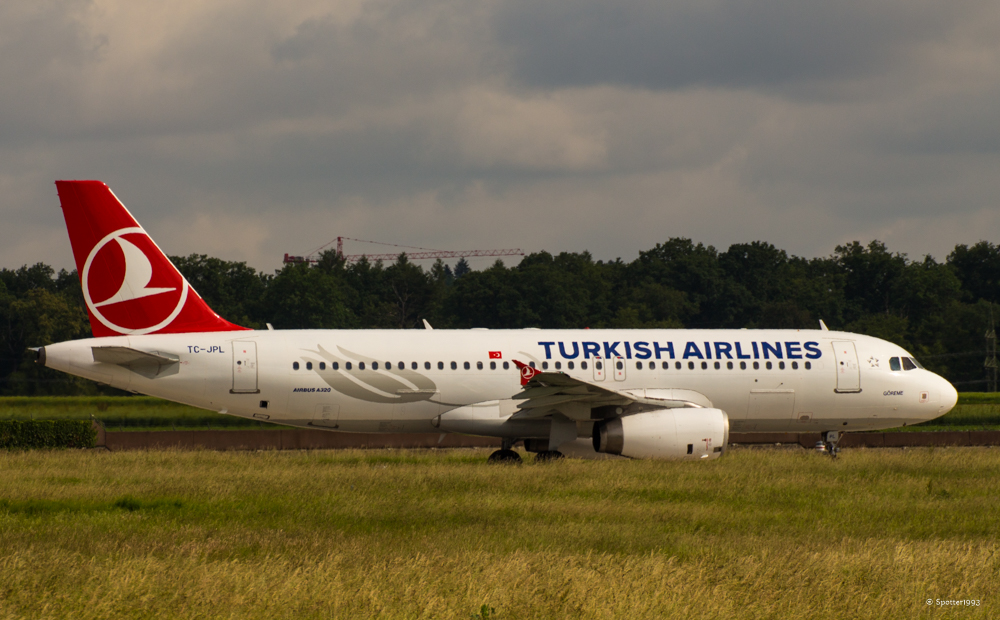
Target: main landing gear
x=505 y=455
x=830 y=439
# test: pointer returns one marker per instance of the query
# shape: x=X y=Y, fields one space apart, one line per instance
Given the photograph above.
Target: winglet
x=527 y=372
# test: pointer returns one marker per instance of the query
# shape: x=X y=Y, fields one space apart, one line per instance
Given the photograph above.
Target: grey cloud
x=736 y=44
x=247 y=131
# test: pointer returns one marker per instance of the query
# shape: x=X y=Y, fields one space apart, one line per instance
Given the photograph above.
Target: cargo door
x=848 y=369
x=771 y=405
x=244 y=367
x=326 y=415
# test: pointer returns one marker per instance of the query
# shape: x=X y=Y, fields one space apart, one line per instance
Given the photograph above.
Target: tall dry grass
x=390 y=534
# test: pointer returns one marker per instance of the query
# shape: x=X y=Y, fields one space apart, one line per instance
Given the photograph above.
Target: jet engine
x=683 y=433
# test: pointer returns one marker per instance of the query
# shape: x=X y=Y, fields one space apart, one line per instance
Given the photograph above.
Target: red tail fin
x=128 y=283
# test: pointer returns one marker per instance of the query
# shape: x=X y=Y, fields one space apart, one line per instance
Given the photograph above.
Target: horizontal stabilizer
x=149 y=364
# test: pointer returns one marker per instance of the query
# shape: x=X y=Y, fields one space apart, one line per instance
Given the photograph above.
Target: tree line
x=939 y=311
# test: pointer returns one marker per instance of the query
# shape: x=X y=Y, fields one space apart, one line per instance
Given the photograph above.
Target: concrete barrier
x=876 y=440
x=306 y=439
x=290 y=439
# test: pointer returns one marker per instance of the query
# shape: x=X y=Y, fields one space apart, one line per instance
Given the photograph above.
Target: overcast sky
x=248 y=129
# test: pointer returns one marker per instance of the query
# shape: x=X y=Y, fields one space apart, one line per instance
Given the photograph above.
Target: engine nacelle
x=683 y=433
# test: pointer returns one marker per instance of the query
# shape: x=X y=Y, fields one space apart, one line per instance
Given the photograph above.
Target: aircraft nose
x=949 y=397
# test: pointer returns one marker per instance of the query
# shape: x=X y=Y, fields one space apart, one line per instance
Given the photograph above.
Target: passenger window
x=532 y=364
x=309 y=365
x=361 y=365
x=795 y=365
x=743 y=365
x=295 y=365
x=335 y=366
x=414 y=366
x=454 y=365
x=479 y=365
x=704 y=365
x=569 y=365
x=440 y=365
x=427 y=365
x=769 y=365
x=690 y=365
x=598 y=365
x=619 y=365
x=894 y=364
x=756 y=366
x=347 y=365
x=729 y=365
x=677 y=365
x=908 y=364
x=545 y=365
x=466 y=365
x=666 y=365
x=374 y=365
x=322 y=365
x=717 y=365
x=558 y=365
x=809 y=365
x=638 y=365
x=506 y=366
x=493 y=365
x=402 y=366
x=781 y=365
x=583 y=365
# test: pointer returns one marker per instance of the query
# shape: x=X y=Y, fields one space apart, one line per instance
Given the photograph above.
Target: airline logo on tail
x=129 y=285
x=118 y=298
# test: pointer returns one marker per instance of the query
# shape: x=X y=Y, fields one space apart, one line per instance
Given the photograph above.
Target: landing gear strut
x=505 y=454
x=830 y=441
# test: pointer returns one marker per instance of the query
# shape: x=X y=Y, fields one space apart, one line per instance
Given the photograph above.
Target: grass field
x=122 y=412
x=391 y=534
x=975 y=411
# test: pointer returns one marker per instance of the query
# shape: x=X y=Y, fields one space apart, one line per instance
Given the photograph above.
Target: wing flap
x=546 y=393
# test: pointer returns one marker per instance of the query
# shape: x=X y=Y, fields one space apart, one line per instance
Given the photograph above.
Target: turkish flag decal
x=495 y=355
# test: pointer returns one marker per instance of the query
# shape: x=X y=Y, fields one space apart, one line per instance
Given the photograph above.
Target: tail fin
x=128 y=283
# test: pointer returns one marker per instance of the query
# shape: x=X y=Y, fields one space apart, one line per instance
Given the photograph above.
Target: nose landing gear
x=829 y=442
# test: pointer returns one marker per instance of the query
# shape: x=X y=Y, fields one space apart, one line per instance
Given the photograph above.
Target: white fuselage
x=804 y=380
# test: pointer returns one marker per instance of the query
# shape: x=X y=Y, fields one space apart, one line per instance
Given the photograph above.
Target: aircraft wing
x=545 y=393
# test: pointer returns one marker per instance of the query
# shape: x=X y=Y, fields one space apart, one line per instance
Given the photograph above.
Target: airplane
x=639 y=393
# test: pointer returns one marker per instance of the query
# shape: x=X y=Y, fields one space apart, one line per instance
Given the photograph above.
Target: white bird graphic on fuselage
x=138 y=273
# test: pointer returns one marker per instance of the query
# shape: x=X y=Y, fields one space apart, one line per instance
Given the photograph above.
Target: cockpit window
x=908 y=363
x=916 y=363
x=894 y=364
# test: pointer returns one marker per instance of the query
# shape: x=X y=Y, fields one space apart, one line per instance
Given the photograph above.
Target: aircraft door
x=244 y=367
x=598 y=369
x=848 y=369
x=619 y=368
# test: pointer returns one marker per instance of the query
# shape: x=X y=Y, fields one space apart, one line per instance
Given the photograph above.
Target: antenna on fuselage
x=823 y=326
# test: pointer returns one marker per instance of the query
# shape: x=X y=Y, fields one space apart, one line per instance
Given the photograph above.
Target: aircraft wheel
x=507 y=457
x=549 y=455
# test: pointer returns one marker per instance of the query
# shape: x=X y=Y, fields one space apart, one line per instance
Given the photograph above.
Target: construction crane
x=423 y=253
